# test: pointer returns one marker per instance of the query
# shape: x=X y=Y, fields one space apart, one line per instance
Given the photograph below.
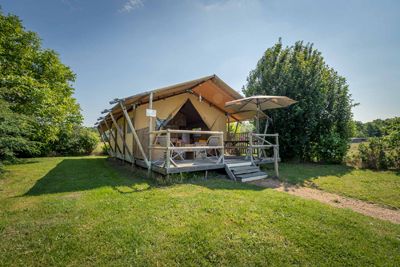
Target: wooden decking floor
x=191 y=165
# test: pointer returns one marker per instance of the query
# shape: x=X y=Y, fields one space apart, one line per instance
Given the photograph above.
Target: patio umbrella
x=259 y=103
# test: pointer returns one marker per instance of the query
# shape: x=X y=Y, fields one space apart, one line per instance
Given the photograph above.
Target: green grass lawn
x=85 y=211
x=381 y=187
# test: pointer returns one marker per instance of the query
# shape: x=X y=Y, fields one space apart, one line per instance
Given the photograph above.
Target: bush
x=373 y=155
x=330 y=148
x=79 y=141
x=380 y=153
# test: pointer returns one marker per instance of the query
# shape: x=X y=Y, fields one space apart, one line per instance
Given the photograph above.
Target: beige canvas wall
x=213 y=118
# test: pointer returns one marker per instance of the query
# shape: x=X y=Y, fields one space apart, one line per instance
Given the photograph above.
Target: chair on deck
x=211 y=141
x=162 y=140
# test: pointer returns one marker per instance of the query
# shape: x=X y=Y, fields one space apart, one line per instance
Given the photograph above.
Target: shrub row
x=380 y=153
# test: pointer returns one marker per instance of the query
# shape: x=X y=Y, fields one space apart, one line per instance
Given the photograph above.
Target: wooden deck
x=255 y=148
x=201 y=164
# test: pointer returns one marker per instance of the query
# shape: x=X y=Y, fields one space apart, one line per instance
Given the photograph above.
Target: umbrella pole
x=258 y=119
x=258 y=126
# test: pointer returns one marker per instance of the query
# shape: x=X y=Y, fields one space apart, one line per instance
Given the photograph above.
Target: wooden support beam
x=116 y=146
x=109 y=150
x=121 y=136
x=130 y=124
x=109 y=144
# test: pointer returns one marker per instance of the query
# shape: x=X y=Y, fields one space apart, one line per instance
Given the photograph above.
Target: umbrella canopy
x=245 y=115
x=259 y=102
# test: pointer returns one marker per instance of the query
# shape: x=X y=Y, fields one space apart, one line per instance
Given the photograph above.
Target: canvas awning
x=210 y=89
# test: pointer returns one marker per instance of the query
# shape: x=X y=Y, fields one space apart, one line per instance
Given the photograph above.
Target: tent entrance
x=188 y=118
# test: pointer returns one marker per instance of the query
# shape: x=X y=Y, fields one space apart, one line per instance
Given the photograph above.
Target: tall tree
x=35 y=84
x=316 y=128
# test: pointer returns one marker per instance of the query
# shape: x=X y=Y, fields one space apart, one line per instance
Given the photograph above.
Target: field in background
x=87 y=211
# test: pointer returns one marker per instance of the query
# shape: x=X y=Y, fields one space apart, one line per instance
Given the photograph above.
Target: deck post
x=130 y=124
x=150 y=131
x=229 y=128
x=223 y=148
x=276 y=155
x=121 y=136
x=251 y=148
x=167 y=154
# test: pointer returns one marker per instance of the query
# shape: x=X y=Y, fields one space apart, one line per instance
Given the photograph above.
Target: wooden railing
x=259 y=146
x=237 y=143
x=169 y=148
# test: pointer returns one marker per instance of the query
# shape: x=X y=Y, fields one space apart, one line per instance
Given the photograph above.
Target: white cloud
x=223 y=4
x=131 y=5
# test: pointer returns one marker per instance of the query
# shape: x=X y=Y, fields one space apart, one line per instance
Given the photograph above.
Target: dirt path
x=333 y=200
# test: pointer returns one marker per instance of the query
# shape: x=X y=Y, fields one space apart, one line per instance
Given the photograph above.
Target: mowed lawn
x=380 y=187
x=86 y=211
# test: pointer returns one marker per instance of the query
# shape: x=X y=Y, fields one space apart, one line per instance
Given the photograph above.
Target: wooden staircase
x=244 y=172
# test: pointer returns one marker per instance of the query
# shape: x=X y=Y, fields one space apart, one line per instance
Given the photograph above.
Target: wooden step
x=243 y=168
x=253 y=178
x=245 y=173
x=237 y=172
x=239 y=164
x=259 y=173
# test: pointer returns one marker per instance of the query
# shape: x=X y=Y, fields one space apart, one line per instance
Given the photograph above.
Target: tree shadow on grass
x=81 y=174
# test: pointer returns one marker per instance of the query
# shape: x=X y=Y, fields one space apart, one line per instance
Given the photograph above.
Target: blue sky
x=119 y=48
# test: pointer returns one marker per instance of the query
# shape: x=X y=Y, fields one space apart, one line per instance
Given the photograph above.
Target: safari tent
x=183 y=128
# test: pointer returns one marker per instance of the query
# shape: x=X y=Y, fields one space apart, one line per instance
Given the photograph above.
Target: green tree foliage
x=36 y=93
x=359 y=129
x=243 y=127
x=316 y=128
x=34 y=81
x=373 y=128
x=16 y=133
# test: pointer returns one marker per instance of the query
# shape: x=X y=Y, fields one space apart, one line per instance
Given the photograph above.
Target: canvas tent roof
x=211 y=89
